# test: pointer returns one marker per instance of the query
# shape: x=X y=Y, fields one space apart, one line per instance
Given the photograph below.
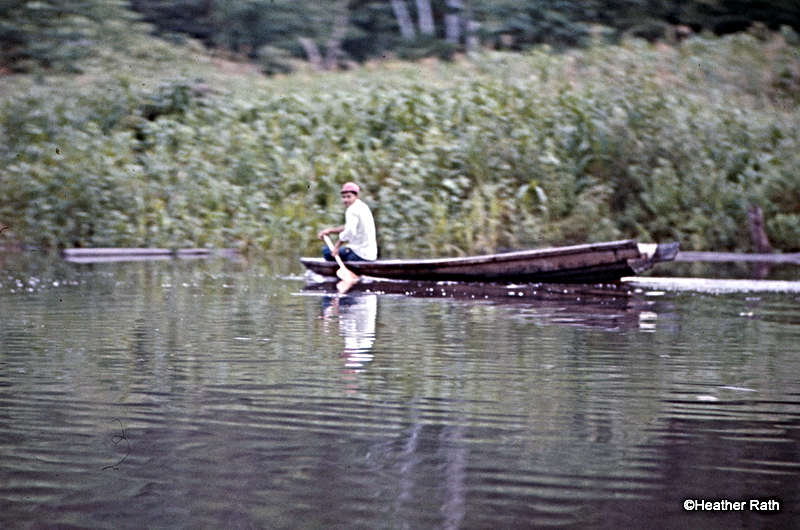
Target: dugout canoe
x=589 y=263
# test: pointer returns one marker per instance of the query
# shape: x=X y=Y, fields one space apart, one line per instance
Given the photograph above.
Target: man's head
x=350 y=193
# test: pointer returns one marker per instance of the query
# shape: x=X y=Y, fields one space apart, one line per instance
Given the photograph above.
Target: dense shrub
x=501 y=151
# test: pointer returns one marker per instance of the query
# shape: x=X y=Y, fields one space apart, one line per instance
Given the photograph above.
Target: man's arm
x=329 y=231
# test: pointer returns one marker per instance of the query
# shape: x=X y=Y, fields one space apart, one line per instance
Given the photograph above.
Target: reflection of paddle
x=343 y=273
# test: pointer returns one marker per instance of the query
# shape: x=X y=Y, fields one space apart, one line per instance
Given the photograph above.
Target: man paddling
x=358 y=229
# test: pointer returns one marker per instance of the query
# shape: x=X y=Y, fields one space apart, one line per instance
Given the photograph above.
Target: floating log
x=734 y=256
x=114 y=252
x=107 y=254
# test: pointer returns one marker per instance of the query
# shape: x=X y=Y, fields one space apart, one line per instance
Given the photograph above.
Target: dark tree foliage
x=191 y=17
x=570 y=22
x=374 y=28
x=55 y=33
x=731 y=16
x=523 y=23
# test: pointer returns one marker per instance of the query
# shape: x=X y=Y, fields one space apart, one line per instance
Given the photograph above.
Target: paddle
x=343 y=273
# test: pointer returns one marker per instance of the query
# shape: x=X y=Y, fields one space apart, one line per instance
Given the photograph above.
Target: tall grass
x=497 y=151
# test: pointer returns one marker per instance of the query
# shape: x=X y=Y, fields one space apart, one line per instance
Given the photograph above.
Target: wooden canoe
x=590 y=263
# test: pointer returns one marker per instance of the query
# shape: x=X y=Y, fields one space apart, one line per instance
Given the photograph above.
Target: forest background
x=473 y=126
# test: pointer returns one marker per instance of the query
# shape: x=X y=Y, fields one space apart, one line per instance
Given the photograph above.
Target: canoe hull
x=591 y=263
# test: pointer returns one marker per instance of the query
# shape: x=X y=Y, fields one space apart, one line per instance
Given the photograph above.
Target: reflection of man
x=357 y=325
x=358 y=229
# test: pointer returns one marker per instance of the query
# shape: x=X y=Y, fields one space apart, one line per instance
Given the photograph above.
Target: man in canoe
x=358 y=229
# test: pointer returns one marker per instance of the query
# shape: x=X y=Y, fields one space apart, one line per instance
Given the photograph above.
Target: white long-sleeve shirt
x=359 y=231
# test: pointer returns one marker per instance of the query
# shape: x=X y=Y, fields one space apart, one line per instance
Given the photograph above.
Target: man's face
x=348 y=198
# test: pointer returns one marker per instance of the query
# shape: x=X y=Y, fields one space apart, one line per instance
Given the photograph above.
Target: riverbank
x=496 y=151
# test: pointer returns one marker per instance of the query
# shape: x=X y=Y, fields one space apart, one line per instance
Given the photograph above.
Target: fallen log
x=105 y=254
x=735 y=256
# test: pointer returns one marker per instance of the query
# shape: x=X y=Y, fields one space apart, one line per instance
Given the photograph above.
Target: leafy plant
x=500 y=151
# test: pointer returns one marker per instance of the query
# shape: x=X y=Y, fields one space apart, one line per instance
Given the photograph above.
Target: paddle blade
x=346 y=274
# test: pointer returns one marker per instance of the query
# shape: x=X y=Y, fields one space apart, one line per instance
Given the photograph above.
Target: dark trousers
x=344 y=252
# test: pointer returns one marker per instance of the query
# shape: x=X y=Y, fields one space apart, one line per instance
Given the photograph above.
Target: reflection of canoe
x=610 y=307
x=491 y=292
x=592 y=263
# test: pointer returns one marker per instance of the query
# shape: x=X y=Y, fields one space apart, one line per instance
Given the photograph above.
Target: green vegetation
x=501 y=150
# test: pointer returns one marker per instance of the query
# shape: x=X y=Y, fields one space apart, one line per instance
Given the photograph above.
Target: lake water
x=222 y=394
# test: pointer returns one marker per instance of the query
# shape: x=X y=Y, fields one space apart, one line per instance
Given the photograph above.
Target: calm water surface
x=217 y=394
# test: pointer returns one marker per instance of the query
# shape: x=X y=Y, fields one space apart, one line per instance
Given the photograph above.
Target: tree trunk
x=425 y=16
x=472 y=40
x=312 y=51
x=757 y=231
x=333 y=48
x=452 y=21
x=403 y=19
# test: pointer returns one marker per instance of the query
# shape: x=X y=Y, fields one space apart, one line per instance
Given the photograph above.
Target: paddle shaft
x=343 y=271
